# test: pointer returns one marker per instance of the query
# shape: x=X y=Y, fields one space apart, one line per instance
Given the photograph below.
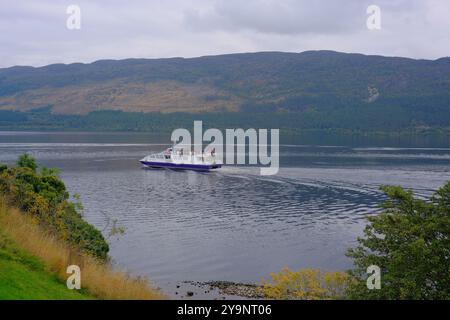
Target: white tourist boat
x=177 y=159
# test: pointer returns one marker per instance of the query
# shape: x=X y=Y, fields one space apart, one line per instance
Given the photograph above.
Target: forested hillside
x=314 y=89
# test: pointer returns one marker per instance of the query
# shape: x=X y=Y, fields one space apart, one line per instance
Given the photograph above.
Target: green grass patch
x=23 y=276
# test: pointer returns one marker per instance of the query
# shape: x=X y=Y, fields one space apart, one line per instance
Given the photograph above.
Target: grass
x=23 y=277
x=33 y=265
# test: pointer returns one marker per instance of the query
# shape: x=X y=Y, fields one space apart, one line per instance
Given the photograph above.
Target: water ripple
x=234 y=224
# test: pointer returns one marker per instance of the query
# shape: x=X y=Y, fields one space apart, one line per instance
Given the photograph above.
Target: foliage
x=410 y=242
x=307 y=284
x=43 y=195
x=349 y=119
x=49 y=171
x=77 y=204
x=26 y=161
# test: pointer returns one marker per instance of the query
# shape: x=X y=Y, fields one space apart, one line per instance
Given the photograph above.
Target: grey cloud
x=34 y=32
x=282 y=17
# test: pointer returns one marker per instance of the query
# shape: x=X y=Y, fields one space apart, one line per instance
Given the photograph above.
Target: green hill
x=319 y=89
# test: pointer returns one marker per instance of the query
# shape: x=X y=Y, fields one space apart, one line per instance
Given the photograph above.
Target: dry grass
x=159 y=96
x=98 y=278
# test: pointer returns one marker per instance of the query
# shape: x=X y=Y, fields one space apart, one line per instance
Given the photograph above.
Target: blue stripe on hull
x=201 y=167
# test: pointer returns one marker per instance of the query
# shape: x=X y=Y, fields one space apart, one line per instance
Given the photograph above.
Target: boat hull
x=180 y=166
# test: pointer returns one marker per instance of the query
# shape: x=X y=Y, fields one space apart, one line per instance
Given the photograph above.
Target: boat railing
x=192 y=158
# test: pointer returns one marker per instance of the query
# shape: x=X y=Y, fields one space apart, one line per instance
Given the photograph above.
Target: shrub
x=43 y=195
x=25 y=161
x=306 y=284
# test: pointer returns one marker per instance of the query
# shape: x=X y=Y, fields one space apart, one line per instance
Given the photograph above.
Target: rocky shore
x=214 y=290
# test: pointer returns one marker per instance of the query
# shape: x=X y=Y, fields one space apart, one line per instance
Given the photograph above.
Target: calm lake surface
x=232 y=224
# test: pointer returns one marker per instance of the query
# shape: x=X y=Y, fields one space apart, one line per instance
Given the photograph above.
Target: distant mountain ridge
x=308 y=82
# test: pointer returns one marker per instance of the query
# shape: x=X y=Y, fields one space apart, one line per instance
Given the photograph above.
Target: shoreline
x=213 y=290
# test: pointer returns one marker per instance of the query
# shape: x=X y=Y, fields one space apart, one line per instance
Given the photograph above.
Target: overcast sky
x=35 y=32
